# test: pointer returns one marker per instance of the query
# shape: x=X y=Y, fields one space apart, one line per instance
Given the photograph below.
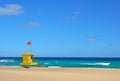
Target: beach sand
x=58 y=74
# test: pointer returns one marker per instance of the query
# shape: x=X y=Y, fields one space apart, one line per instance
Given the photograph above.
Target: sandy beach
x=58 y=74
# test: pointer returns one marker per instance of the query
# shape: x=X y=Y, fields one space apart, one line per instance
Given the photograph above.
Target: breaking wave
x=4 y=60
x=54 y=66
x=46 y=63
x=101 y=63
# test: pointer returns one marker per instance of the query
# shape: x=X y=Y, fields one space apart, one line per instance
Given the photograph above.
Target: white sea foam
x=46 y=63
x=100 y=63
x=54 y=66
x=56 y=61
x=4 y=60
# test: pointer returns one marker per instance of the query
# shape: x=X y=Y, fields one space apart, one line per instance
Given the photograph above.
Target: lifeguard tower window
x=31 y=57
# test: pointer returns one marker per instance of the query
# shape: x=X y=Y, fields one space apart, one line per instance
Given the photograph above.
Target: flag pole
x=30 y=48
x=29 y=45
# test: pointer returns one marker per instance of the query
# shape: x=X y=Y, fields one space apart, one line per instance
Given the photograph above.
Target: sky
x=60 y=28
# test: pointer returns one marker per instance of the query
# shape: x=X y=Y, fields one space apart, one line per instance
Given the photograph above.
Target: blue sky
x=60 y=28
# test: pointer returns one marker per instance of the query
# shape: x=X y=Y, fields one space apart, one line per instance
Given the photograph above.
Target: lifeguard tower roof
x=27 y=54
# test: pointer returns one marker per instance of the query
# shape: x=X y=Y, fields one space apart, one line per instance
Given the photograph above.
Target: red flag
x=29 y=43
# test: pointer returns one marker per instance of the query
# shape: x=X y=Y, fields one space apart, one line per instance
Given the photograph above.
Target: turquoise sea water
x=66 y=62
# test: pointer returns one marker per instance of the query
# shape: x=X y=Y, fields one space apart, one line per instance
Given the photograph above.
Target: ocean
x=75 y=62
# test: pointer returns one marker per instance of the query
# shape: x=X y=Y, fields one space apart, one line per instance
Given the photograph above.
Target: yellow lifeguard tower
x=27 y=60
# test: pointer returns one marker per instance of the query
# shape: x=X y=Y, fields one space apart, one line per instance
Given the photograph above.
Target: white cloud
x=72 y=17
x=11 y=9
x=76 y=12
x=92 y=37
x=32 y=24
x=69 y=18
